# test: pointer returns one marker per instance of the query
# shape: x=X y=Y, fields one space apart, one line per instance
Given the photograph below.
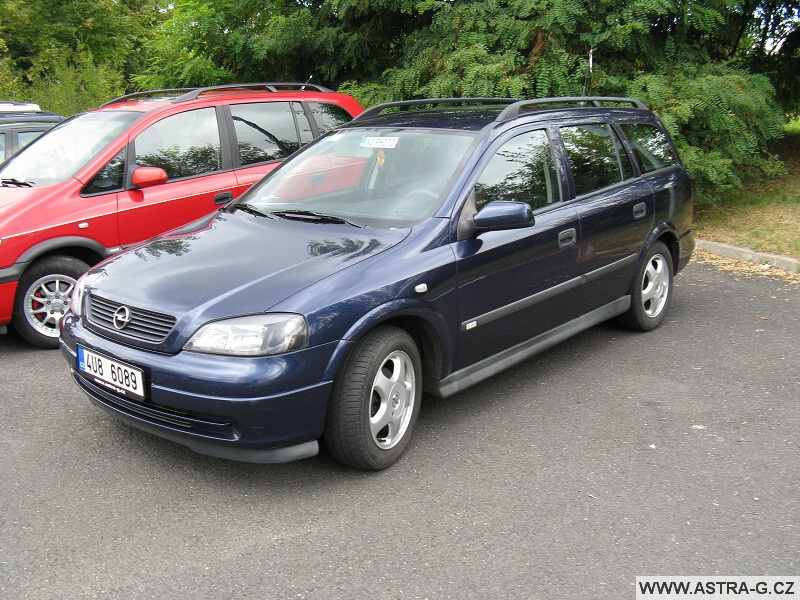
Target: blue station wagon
x=421 y=248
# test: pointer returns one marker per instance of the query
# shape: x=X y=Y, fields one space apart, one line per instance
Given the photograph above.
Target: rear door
x=516 y=284
x=265 y=133
x=188 y=147
x=614 y=206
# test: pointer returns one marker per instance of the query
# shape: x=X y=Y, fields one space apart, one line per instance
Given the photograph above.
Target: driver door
x=516 y=284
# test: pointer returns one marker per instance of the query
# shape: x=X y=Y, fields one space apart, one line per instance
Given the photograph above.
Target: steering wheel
x=423 y=192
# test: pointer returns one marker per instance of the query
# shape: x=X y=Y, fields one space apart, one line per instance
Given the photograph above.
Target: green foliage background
x=722 y=74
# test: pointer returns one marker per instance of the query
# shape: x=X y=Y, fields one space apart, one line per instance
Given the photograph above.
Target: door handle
x=639 y=210
x=223 y=198
x=567 y=237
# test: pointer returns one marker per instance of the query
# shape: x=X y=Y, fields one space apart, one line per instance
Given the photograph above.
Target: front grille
x=143 y=324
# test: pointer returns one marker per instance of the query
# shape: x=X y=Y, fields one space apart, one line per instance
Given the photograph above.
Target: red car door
x=187 y=147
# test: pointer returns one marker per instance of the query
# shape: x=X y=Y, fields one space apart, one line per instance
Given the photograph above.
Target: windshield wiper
x=310 y=215
x=248 y=209
x=17 y=182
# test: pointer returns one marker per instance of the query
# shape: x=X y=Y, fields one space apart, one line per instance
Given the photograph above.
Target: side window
x=265 y=131
x=592 y=157
x=109 y=178
x=2 y=147
x=183 y=145
x=650 y=146
x=26 y=137
x=328 y=116
x=522 y=170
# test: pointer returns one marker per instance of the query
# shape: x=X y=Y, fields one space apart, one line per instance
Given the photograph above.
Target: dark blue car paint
x=474 y=305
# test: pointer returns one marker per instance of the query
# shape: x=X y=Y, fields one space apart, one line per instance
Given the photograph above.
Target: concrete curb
x=779 y=262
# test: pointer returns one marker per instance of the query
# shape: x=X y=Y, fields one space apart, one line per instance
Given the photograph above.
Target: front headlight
x=76 y=299
x=254 y=335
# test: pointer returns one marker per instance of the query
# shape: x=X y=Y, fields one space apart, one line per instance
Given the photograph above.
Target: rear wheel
x=375 y=401
x=652 y=290
x=43 y=296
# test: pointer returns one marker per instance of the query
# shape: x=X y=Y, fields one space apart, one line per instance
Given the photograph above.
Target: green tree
x=69 y=55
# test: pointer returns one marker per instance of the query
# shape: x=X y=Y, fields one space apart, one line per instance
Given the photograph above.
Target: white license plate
x=118 y=377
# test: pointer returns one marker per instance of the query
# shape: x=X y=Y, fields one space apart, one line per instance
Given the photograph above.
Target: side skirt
x=460 y=380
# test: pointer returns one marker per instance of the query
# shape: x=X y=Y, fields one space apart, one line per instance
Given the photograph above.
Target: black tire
x=652 y=290
x=383 y=376
x=43 y=295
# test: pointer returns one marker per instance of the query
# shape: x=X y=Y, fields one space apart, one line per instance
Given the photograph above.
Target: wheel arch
x=87 y=250
x=426 y=326
x=664 y=233
x=670 y=240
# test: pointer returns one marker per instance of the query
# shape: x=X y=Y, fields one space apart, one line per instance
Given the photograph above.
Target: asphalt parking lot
x=613 y=455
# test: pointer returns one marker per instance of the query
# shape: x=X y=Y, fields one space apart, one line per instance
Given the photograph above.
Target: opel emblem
x=122 y=316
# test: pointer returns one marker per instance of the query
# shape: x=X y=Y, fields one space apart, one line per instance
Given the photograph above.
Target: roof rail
x=401 y=104
x=514 y=110
x=184 y=94
x=272 y=86
x=148 y=94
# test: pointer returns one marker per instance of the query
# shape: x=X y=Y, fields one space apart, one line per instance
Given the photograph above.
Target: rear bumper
x=686 y=246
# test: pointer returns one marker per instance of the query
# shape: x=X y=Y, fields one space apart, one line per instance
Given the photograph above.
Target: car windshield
x=64 y=150
x=370 y=177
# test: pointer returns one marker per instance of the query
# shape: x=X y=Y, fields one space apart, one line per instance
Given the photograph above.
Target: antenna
x=589 y=72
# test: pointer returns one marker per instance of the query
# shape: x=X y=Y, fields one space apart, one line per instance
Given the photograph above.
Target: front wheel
x=652 y=290
x=43 y=296
x=376 y=400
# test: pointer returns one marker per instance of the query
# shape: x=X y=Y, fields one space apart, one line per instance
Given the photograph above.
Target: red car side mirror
x=148 y=176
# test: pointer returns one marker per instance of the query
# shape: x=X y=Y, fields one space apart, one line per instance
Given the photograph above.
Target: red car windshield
x=64 y=150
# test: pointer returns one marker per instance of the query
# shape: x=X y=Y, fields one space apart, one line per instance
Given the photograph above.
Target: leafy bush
x=72 y=86
x=721 y=119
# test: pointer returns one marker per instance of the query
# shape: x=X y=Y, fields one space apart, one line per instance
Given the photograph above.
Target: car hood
x=233 y=264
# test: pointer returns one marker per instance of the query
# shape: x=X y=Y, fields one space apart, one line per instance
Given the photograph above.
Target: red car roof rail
x=186 y=94
x=278 y=86
x=149 y=94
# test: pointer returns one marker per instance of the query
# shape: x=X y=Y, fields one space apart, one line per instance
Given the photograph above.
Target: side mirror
x=500 y=215
x=149 y=176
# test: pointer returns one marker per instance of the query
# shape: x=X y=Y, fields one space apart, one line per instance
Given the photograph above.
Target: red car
x=133 y=168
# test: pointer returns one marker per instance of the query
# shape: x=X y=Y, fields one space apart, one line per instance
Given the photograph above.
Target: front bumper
x=264 y=409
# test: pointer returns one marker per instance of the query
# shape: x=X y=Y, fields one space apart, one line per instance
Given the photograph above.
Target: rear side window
x=183 y=145
x=265 y=131
x=650 y=146
x=2 y=146
x=592 y=156
x=328 y=116
x=522 y=170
